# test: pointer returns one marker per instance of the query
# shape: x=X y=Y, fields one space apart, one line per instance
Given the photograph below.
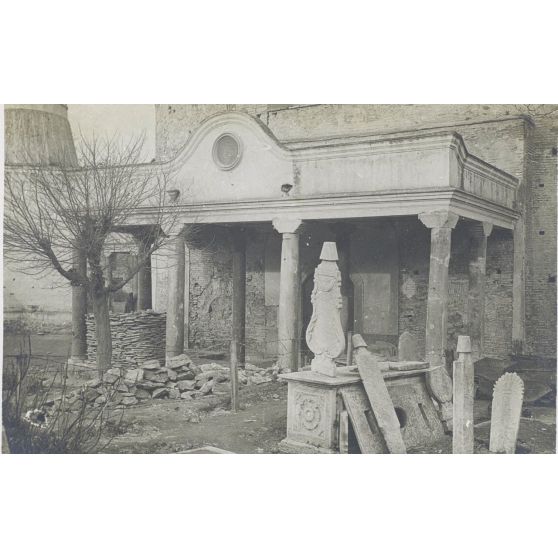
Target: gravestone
x=506 y=413
x=380 y=401
x=407 y=348
x=324 y=335
x=463 y=397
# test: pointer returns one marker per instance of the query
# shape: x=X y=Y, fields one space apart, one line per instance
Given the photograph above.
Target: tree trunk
x=102 y=332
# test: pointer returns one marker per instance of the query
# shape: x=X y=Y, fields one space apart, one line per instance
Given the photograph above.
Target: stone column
x=441 y=224
x=175 y=294
x=287 y=323
x=144 y=301
x=79 y=309
x=477 y=283
x=238 y=241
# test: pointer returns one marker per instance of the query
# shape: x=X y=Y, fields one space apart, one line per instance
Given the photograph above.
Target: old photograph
x=279 y=278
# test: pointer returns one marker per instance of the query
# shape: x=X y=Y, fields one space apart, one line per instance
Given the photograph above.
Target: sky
x=126 y=121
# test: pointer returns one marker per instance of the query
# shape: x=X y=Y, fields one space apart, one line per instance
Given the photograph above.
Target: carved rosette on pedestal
x=324 y=335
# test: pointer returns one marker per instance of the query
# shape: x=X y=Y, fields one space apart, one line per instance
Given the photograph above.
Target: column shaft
x=436 y=311
x=175 y=294
x=239 y=294
x=441 y=224
x=477 y=285
x=287 y=322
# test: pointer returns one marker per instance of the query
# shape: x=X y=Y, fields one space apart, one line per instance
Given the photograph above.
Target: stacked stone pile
x=136 y=337
x=179 y=379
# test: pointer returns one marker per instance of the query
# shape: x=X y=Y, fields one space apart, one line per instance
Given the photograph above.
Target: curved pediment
x=232 y=156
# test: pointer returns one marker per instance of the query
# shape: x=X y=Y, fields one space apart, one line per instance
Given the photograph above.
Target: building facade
x=444 y=218
x=369 y=177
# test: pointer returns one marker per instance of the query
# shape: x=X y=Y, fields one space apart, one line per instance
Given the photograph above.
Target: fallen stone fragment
x=110 y=378
x=174 y=394
x=185 y=375
x=128 y=401
x=142 y=394
x=151 y=365
x=186 y=395
x=207 y=388
x=101 y=400
x=135 y=375
x=172 y=375
x=186 y=385
x=122 y=387
x=160 y=393
x=155 y=376
x=178 y=361
x=150 y=386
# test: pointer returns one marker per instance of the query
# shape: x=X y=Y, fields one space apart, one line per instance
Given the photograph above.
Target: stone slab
x=380 y=401
x=368 y=435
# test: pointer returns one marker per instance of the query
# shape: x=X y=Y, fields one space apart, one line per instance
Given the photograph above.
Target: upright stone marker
x=324 y=334
x=407 y=349
x=463 y=397
x=506 y=413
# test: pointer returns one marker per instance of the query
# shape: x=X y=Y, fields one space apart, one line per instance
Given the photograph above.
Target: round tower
x=38 y=134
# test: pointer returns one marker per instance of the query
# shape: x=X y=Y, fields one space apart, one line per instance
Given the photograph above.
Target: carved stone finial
x=329 y=252
x=324 y=335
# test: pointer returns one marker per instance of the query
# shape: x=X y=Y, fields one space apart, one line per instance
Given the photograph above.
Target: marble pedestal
x=315 y=405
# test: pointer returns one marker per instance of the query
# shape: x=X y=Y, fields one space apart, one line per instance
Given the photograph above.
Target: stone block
x=178 y=361
x=160 y=393
x=186 y=385
x=151 y=365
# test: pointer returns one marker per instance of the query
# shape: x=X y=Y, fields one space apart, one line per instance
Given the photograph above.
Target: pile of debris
x=179 y=379
x=136 y=337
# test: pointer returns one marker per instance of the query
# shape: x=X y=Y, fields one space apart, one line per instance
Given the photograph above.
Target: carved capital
x=439 y=219
x=285 y=225
x=487 y=228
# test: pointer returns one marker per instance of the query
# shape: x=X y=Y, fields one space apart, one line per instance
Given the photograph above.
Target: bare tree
x=53 y=213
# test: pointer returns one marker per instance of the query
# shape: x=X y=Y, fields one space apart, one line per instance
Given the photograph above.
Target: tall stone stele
x=324 y=335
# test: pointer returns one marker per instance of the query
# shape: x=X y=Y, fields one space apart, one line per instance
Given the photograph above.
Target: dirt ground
x=176 y=425
x=170 y=426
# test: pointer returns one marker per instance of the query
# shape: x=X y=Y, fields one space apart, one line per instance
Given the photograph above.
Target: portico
x=271 y=201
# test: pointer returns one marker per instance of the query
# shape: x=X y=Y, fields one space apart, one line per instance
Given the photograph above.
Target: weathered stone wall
x=210 y=308
x=256 y=326
x=414 y=258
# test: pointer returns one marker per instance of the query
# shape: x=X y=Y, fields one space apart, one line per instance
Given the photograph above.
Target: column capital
x=285 y=225
x=487 y=228
x=441 y=219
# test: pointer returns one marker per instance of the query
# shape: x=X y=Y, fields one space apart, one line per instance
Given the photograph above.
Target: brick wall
x=498 y=294
x=540 y=249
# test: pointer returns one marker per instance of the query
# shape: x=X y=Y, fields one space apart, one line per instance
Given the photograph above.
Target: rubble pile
x=136 y=337
x=179 y=379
